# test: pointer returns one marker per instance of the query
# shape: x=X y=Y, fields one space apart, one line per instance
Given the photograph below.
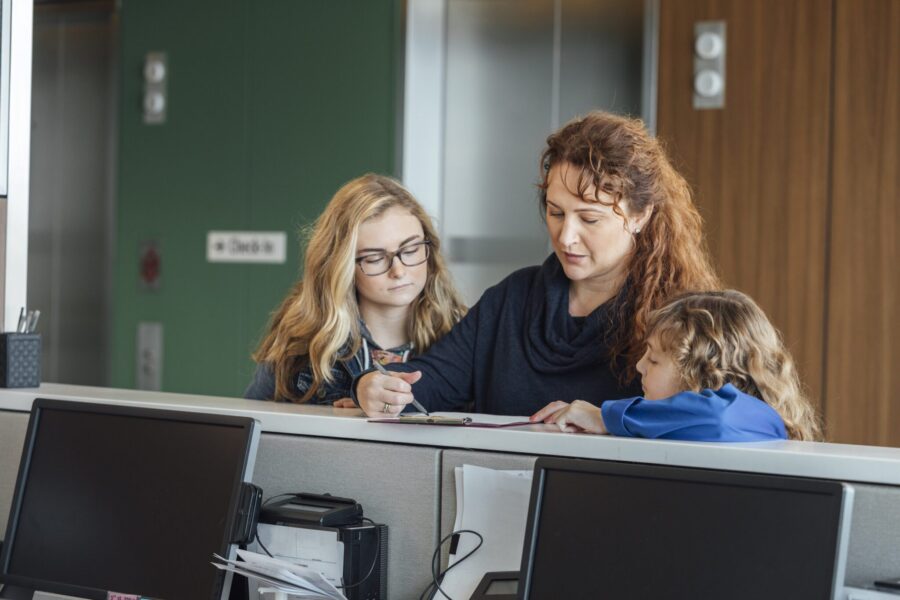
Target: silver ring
x=386 y=409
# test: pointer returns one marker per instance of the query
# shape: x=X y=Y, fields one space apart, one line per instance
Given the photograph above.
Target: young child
x=715 y=369
x=375 y=289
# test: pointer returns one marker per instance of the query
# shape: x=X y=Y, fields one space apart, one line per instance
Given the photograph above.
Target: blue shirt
x=724 y=415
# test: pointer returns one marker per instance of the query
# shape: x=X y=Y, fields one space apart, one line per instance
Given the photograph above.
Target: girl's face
x=589 y=238
x=396 y=230
x=659 y=374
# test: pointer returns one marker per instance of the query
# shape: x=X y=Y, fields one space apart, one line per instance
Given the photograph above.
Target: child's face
x=659 y=374
x=390 y=232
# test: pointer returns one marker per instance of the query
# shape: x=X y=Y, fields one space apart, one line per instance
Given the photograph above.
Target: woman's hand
x=385 y=395
x=548 y=413
x=579 y=416
x=344 y=403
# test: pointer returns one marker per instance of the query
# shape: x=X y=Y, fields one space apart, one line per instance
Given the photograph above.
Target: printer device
x=329 y=534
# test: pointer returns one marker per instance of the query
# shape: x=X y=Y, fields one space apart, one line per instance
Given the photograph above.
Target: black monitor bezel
x=543 y=464
x=247 y=424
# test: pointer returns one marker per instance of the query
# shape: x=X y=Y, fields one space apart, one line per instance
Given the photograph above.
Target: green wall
x=272 y=105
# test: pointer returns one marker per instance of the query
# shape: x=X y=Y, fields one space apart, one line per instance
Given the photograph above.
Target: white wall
x=16 y=256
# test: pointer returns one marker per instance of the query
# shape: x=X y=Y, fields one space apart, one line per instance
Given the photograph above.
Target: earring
x=637 y=230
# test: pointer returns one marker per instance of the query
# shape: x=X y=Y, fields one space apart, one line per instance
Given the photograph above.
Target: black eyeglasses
x=379 y=263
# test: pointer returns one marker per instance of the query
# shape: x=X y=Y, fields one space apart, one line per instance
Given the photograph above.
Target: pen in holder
x=20 y=360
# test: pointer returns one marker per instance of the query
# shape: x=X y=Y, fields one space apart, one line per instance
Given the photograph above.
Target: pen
x=20 y=328
x=32 y=321
x=415 y=402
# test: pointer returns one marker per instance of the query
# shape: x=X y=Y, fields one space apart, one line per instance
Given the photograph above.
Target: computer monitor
x=600 y=529
x=126 y=499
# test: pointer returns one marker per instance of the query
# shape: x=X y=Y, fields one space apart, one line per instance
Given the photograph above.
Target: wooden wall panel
x=863 y=358
x=759 y=167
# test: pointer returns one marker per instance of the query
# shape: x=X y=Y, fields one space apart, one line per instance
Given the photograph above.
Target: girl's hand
x=385 y=395
x=344 y=403
x=580 y=416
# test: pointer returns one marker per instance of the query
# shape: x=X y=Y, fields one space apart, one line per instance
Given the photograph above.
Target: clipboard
x=457 y=420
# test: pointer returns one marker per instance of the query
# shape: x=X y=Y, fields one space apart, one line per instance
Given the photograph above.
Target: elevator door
x=72 y=181
x=512 y=72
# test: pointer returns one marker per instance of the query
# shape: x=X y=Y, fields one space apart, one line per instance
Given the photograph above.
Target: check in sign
x=246 y=247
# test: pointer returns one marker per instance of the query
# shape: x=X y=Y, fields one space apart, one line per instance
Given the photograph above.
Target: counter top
x=843 y=462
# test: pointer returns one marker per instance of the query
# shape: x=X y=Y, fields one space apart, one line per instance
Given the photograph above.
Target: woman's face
x=660 y=376
x=395 y=230
x=591 y=241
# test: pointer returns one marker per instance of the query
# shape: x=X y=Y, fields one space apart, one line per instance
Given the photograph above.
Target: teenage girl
x=714 y=369
x=375 y=289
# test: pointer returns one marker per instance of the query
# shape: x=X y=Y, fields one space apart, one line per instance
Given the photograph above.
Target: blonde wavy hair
x=314 y=323
x=723 y=337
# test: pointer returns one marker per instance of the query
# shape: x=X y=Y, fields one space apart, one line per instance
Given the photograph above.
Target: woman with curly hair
x=626 y=236
x=714 y=369
x=375 y=290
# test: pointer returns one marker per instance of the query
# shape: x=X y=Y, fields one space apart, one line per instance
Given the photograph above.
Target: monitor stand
x=497 y=585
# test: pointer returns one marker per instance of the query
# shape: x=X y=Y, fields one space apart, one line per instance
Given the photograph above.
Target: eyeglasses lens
x=411 y=256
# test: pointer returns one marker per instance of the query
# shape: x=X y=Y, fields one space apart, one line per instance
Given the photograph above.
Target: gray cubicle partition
x=874 y=551
x=396 y=485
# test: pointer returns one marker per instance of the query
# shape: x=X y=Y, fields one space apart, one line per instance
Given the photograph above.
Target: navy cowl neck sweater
x=519 y=349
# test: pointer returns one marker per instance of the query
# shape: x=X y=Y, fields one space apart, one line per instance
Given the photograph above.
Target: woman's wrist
x=355 y=384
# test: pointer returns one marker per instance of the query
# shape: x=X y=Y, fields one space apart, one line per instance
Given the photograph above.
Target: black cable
x=256 y=526
x=371 y=569
x=435 y=560
x=259 y=541
x=436 y=576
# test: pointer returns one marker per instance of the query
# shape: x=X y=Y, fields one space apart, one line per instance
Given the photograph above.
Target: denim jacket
x=343 y=371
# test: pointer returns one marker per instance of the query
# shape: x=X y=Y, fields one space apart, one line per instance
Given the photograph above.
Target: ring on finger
x=386 y=408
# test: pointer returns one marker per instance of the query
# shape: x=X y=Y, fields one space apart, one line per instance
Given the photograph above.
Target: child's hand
x=548 y=413
x=579 y=416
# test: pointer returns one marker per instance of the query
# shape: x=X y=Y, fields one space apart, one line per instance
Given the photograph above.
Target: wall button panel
x=709 y=65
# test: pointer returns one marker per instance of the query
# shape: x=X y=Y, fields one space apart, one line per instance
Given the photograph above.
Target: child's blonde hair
x=314 y=323
x=723 y=337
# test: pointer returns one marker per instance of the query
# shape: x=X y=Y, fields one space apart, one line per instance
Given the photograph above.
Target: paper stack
x=495 y=504
x=280 y=576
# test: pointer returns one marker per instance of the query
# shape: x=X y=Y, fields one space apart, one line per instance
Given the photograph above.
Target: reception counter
x=403 y=474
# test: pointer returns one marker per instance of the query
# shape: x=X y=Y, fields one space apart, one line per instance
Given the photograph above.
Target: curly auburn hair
x=723 y=337
x=618 y=156
x=317 y=323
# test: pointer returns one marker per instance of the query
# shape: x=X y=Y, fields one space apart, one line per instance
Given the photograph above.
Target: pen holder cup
x=20 y=360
